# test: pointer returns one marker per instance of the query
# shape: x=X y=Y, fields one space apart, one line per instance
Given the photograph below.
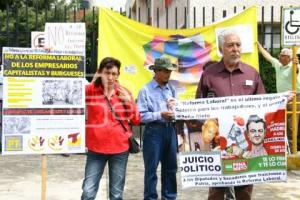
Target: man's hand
x=171 y=103
x=291 y=95
x=295 y=60
x=167 y=115
x=264 y=52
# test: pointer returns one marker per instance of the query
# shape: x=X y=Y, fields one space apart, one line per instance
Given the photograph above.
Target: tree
x=3 y=4
x=19 y=17
x=31 y=3
x=267 y=74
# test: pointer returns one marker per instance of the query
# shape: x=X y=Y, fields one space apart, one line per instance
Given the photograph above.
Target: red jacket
x=104 y=134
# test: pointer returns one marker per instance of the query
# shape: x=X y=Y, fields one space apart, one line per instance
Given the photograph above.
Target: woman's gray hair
x=223 y=34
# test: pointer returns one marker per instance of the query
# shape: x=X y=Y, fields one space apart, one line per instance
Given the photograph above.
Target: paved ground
x=20 y=179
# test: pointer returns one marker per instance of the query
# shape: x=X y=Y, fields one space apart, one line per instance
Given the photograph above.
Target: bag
x=134 y=146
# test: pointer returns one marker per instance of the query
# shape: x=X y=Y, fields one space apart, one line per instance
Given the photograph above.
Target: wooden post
x=294 y=108
x=44 y=176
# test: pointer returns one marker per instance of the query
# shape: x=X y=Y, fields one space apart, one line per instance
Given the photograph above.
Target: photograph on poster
x=61 y=92
x=16 y=125
x=197 y=135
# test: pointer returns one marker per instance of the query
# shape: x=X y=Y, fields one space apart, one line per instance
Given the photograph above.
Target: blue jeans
x=94 y=168
x=160 y=145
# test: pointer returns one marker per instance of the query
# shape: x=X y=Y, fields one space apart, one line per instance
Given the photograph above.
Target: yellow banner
x=137 y=45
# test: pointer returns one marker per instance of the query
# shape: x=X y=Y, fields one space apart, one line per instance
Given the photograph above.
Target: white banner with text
x=232 y=141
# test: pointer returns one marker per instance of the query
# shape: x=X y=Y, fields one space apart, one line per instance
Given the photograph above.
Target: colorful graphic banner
x=231 y=141
x=137 y=45
x=43 y=101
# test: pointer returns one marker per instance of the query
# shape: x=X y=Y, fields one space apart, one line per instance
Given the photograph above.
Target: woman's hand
x=124 y=95
x=96 y=75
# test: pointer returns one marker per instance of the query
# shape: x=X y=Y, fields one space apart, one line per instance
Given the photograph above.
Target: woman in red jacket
x=106 y=139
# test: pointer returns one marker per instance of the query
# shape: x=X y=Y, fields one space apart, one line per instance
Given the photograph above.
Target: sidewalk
x=21 y=180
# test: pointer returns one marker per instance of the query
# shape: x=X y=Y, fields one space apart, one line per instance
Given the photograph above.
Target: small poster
x=43 y=101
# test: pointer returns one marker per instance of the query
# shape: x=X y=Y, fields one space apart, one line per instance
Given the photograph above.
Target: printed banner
x=65 y=36
x=231 y=141
x=43 y=101
x=137 y=45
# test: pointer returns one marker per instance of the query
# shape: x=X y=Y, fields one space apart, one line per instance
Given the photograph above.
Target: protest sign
x=65 y=36
x=231 y=141
x=43 y=101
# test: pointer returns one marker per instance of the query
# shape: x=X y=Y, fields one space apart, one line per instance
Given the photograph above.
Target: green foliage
x=16 y=26
x=267 y=73
x=31 y=3
x=17 y=23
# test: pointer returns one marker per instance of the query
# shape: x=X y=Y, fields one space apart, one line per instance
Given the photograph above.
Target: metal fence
x=19 y=20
